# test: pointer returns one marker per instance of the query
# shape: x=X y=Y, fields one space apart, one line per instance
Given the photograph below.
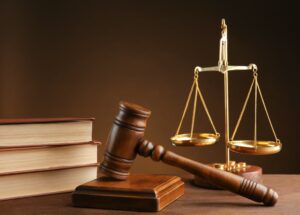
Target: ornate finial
x=223 y=26
x=223 y=57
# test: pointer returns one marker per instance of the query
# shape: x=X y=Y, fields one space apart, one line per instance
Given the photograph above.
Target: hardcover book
x=44 y=131
x=45 y=181
x=15 y=160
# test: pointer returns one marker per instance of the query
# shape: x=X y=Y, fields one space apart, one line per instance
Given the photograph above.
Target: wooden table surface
x=194 y=201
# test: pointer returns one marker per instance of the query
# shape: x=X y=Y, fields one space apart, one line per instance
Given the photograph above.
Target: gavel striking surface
x=139 y=192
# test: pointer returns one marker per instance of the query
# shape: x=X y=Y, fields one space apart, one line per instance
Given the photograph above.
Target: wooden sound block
x=139 y=193
x=251 y=172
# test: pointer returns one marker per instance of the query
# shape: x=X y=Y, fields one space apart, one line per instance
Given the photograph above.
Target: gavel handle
x=234 y=183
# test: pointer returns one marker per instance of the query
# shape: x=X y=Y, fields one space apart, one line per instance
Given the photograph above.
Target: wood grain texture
x=139 y=192
x=252 y=172
x=126 y=141
x=195 y=201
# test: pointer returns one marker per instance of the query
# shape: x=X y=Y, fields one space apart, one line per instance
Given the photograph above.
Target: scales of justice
x=254 y=146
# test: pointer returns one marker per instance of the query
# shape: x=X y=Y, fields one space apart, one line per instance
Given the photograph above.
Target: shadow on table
x=224 y=204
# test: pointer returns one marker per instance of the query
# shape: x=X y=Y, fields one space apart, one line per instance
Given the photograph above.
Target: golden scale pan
x=192 y=138
x=254 y=147
x=259 y=147
x=195 y=139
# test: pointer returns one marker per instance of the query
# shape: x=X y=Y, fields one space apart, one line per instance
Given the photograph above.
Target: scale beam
x=250 y=67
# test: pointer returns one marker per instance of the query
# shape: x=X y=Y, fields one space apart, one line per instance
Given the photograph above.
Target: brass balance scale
x=253 y=147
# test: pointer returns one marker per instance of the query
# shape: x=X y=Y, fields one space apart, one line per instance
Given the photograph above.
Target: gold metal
x=232 y=163
x=192 y=138
x=243 y=110
x=219 y=166
x=223 y=67
x=241 y=165
x=254 y=146
x=232 y=167
x=196 y=139
x=258 y=147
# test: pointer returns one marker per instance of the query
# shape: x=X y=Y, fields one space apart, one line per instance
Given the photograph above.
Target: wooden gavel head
x=126 y=133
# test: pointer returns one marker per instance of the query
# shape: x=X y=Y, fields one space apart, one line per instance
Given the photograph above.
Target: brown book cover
x=43 y=120
x=47 y=181
x=33 y=132
x=57 y=167
x=48 y=169
x=42 y=180
x=29 y=147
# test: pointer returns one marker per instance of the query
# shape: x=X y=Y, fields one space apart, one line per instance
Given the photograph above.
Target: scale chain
x=242 y=112
x=205 y=108
x=186 y=107
x=257 y=88
x=255 y=108
x=195 y=106
x=267 y=113
x=197 y=91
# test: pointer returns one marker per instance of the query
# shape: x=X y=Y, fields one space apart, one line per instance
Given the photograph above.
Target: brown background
x=80 y=58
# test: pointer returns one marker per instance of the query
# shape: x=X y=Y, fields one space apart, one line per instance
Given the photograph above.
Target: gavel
x=126 y=140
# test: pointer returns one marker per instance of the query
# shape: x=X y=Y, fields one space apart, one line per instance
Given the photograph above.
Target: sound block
x=139 y=192
x=251 y=172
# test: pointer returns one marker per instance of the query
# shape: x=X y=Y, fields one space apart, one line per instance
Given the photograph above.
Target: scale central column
x=226 y=105
x=223 y=68
x=248 y=171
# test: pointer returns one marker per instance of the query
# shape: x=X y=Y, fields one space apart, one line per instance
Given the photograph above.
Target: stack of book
x=45 y=156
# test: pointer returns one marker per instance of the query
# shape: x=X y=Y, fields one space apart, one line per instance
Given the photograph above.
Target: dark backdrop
x=80 y=58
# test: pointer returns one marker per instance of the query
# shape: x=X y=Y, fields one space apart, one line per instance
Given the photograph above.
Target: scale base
x=139 y=192
x=251 y=172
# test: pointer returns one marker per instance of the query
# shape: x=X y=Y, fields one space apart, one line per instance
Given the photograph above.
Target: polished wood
x=139 y=192
x=251 y=172
x=194 y=201
x=127 y=130
x=126 y=141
